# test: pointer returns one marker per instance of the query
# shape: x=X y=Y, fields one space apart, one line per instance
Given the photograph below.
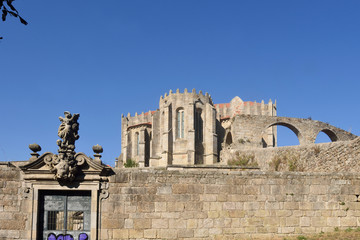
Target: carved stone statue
x=64 y=165
x=68 y=130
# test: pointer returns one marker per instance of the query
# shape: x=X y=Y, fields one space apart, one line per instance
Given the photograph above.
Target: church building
x=188 y=128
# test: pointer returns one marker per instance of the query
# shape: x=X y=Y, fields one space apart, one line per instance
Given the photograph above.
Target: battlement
x=137 y=119
x=185 y=97
x=239 y=107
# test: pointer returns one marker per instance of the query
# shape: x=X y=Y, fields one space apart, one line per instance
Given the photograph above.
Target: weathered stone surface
x=188 y=129
x=157 y=209
x=275 y=208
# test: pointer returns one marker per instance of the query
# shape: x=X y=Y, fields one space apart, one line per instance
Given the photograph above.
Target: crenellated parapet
x=186 y=96
x=129 y=121
x=238 y=107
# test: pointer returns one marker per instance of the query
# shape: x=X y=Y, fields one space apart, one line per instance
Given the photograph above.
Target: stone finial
x=185 y=90
x=128 y=115
x=136 y=114
x=193 y=90
x=270 y=102
x=170 y=92
x=122 y=115
x=165 y=95
x=200 y=92
x=177 y=91
x=35 y=148
x=207 y=94
x=97 y=150
x=275 y=103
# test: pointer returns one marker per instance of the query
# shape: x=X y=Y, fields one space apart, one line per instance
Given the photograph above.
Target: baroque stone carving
x=65 y=164
x=104 y=190
x=68 y=131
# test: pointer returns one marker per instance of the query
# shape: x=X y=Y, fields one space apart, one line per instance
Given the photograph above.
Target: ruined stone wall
x=208 y=204
x=248 y=130
x=342 y=156
x=14 y=216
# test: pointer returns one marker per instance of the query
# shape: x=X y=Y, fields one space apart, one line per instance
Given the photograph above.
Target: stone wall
x=204 y=204
x=14 y=222
x=342 y=156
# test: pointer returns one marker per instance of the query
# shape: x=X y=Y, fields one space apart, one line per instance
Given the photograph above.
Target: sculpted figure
x=68 y=130
x=63 y=165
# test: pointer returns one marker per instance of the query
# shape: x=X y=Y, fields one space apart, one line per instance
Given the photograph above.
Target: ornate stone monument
x=67 y=165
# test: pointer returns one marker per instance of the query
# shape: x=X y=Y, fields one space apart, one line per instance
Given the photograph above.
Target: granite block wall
x=14 y=218
x=200 y=204
x=203 y=204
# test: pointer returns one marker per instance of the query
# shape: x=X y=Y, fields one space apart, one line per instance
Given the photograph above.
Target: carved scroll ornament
x=65 y=165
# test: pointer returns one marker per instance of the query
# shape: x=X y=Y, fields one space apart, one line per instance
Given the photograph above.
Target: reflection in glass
x=55 y=220
x=75 y=220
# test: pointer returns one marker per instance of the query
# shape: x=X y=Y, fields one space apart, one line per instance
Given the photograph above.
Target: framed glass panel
x=64 y=215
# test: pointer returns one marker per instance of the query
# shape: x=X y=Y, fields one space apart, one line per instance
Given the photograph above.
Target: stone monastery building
x=189 y=128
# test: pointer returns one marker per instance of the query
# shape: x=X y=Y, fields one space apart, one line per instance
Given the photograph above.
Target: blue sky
x=105 y=59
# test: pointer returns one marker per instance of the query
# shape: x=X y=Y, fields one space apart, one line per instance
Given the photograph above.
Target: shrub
x=287 y=161
x=275 y=163
x=130 y=163
x=317 y=150
x=243 y=160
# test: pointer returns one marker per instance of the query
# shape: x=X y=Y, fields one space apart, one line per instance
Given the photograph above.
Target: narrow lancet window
x=180 y=123
x=137 y=143
x=198 y=126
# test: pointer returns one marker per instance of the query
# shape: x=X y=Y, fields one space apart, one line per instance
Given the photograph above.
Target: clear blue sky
x=105 y=58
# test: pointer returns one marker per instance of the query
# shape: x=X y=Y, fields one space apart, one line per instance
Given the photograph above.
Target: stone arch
x=294 y=129
x=331 y=134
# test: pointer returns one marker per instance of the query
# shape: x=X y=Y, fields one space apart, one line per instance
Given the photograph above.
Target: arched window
x=137 y=143
x=228 y=140
x=180 y=123
x=198 y=125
